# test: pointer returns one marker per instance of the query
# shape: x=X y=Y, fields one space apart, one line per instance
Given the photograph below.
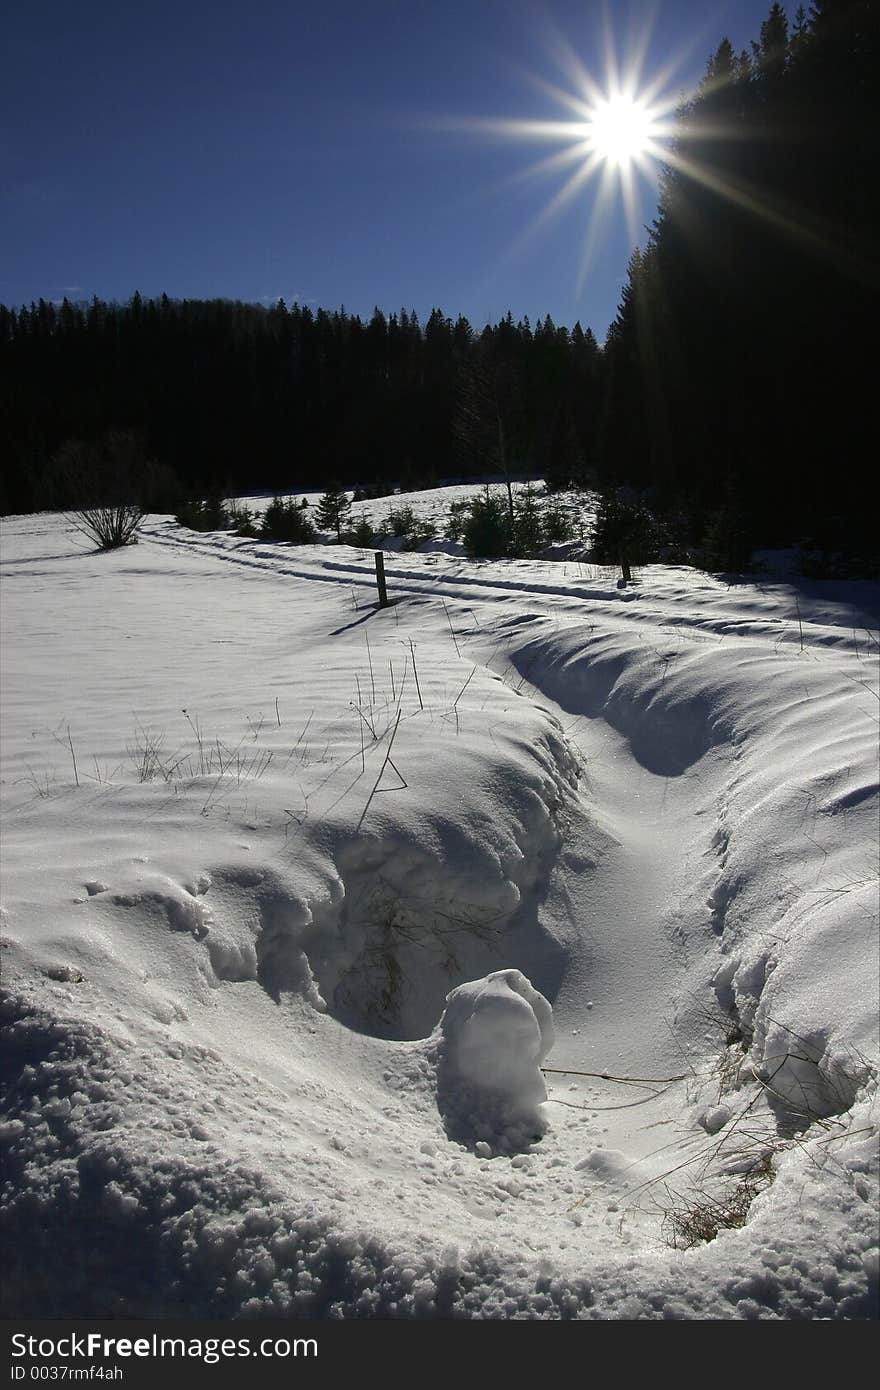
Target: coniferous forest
x=733 y=394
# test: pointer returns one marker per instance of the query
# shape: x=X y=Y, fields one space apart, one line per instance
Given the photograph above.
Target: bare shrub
x=102 y=486
x=109 y=527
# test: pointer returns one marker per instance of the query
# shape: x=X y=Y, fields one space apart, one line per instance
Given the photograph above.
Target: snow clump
x=493 y=1036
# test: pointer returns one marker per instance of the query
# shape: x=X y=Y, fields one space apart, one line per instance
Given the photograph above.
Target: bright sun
x=616 y=133
x=620 y=129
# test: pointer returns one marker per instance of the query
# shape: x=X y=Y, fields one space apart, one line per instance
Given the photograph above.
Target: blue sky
x=319 y=151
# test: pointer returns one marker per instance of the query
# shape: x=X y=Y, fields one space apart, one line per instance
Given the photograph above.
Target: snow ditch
x=788 y=890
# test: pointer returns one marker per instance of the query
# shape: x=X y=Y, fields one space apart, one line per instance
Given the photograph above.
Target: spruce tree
x=333 y=509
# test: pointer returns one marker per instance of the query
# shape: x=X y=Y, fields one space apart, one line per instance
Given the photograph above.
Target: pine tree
x=487 y=531
x=284 y=520
x=333 y=509
x=771 y=54
x=527 y=538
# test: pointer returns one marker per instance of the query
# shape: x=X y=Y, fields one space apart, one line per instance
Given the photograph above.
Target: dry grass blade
x=385 y=763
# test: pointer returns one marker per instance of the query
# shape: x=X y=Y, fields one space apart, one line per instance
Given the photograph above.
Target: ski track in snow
x=180 y=1078
x=790 y=626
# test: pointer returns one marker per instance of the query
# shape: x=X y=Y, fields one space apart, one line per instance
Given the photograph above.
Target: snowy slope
x=257 y=830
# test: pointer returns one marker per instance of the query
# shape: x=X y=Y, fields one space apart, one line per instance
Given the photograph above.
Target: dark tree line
x=234 y=396
x=741 y=369
x=734 y=394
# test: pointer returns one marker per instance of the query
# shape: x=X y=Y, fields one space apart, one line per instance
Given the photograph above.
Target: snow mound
x=495 y=1033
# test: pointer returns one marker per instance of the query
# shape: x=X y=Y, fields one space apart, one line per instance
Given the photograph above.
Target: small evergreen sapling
x=362 y=533
x=333 y=510
x=286 y=521
x=487 y=532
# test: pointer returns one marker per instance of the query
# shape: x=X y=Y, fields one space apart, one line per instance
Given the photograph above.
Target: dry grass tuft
x=697 y=1218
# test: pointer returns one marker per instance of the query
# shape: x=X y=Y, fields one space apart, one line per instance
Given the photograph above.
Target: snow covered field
x=256 y=830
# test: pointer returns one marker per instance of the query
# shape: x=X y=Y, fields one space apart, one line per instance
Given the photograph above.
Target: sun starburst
x=614 y=133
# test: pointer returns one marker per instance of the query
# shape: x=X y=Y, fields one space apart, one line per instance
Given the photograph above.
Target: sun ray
x=638 y=45
x=570 y=65
x=511 y=127
x=628 y=194
x=580 y=106
x=596 y=225
x=540 y=168
x=552 y=210
x=612 y=68
x=822 y=241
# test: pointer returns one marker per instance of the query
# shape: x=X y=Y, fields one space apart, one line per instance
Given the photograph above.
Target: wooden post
x=380 y=579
